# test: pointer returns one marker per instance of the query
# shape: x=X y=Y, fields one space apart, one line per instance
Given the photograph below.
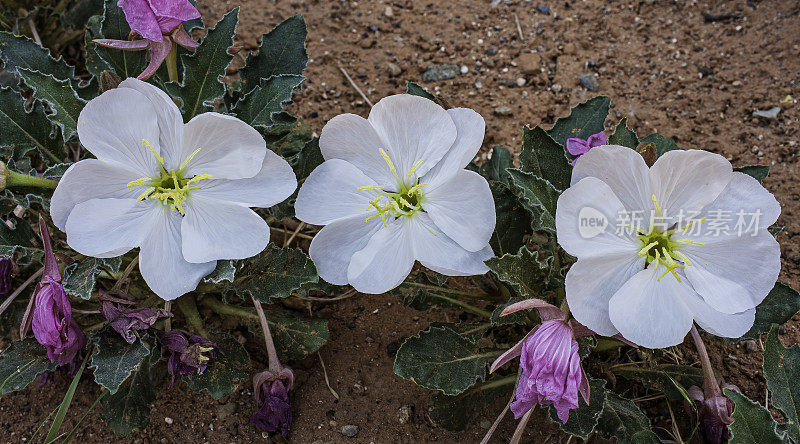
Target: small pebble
x=589 y=81
x=168 y=420
x=520 y=82
x=543 y=9
x=350 y=431
x=404 y=414
x=503 y=111
x=750 y=345
x=464 y=69
x=769 y=114
x=556 y=88
x=369 y=340
x=388 y=12
x=393 y=70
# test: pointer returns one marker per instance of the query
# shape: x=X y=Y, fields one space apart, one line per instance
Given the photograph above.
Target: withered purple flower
x=715 y=413
x=125 y=317
x=6 y=270
x=160 y=24
x=272 y=392
x=52 y=321
x=188 y=353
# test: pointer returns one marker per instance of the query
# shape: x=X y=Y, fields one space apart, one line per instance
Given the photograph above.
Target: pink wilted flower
x=551 y=367
x=159 y=22
x=579 y=147
x=274 y=413
x=52 y=321
x=125 y=317
x=715 y=412
x=188 y=354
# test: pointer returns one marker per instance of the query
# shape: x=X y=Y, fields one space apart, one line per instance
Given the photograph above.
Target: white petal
x=623 y=169
x=471 y=128
x=463 y=208
x=352 y=138
x=170 y=122
x=688 y=180
x=213 y=229
x=651 y=312
x=414 y=129
x=718 y=323
x=434 y=249
x=587 y=221
x=331 y=193
x=113 y=125
x=745 y=195
x=91 y=179
x=334 y=245
x=384 y=263
x=272 y=185
x=99 y=227
x=161 y=260
x=590 y=284
x=726 y=265
x=229 y=148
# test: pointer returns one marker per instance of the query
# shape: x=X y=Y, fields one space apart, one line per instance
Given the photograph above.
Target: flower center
x=660 y=249
x=406 y=201
x=170 y=187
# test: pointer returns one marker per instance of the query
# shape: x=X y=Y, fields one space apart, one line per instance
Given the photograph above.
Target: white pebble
x=168 y=420
x=520 y=82
x=464 y=69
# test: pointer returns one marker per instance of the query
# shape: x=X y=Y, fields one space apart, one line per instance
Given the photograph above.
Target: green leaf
x=621 y=418
x=623 y=136
x=64 y=102
x=584 y=120
x=129 y=408
x=17 y=239
x=65 y=403
x=308 y=159
x=95 y=64
x=545 y=158
x=282 y=51
x=226 y=372
x=258 y=106
x=274 y=273
x=752 y=423
x=454 y=413
x=80 y=277
x=538 y=196
x=495 y=168
x=663 y=144
x=225 y=271
x=645 y=437
x=114 y=360
x=782 y=371
x=21 y=363
x=439 y=358
x=513 y=220
x=297 y=337
x=528 y=274
x=779 y=307
x=124 y=63
x=671 y=380
x=25 y=130
x=584 y=419
x=757 y=172
x=204 y=69
x=416 y=90
x=421 y=292
x=22 y=52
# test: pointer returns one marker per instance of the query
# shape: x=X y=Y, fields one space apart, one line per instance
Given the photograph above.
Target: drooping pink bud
x=578 y=147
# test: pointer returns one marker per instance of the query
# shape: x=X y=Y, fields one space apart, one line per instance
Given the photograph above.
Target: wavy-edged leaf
x=782 y=371
x=585 y=119
x=584 y=419
x=440 y=358
x=226 y=372
x=21 y=363
x=542 y=156
x=80 y=277
x=225 y=271
x=24 y=130
x=757 y=172
x=114 y=26
x=17 y=239
x=416 y=90
x=621 y=418
x=779 y=307
x=129 y=408
x=203 y=70
x=258 y=106
x=663 y=144
x=295 y=336
x=623 y=136
x=671 y=380
x=513 y=220
x=495 y=168
x=752 y=423
x=527 y=274
x=538 y=196
x=274 y=273
x=454 y=413
x=64 y=102
x=22 y=52
x=114 y=360
x=282 y=51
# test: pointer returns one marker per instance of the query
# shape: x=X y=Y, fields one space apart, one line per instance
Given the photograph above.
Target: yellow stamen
x=690 y=242
x=388 y=161
x=414 y=168
x=188 y=159
x=658 y=207
x=646 y=248
x=152 y=150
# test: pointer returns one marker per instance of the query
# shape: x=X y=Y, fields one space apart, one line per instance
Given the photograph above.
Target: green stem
x=187 y=305
x=447 y=290
x=172 y=64
x=218 y=307
x=467 y=307
x=508 y=380
x=14 y=179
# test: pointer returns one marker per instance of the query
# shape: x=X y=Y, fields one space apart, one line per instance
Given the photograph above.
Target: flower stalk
x=14 y=179
x=710 y=385
x=188 y=306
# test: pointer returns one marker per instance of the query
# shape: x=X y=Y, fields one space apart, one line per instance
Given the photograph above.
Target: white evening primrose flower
x=393 y=189
x=180 y=192
x=660 y=248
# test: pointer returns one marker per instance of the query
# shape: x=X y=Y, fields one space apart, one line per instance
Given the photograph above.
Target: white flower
x=393 y=189
x=178 y=191
x=649 y=278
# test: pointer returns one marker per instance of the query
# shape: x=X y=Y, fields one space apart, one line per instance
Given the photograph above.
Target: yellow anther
x=690 y=225
x=690 y=242
x=153 y=150
x=370 y=187
x=198 y=178
x=414 y=168
x=685 y=259
x=646 y=248
x=388 y=162
x=658 y=207
x=140 y=181
x=416 y=188
x=631 y=227
x=188 y=159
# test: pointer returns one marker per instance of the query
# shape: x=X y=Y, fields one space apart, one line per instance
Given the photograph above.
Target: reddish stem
x=710 y=385
x=274 y=364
